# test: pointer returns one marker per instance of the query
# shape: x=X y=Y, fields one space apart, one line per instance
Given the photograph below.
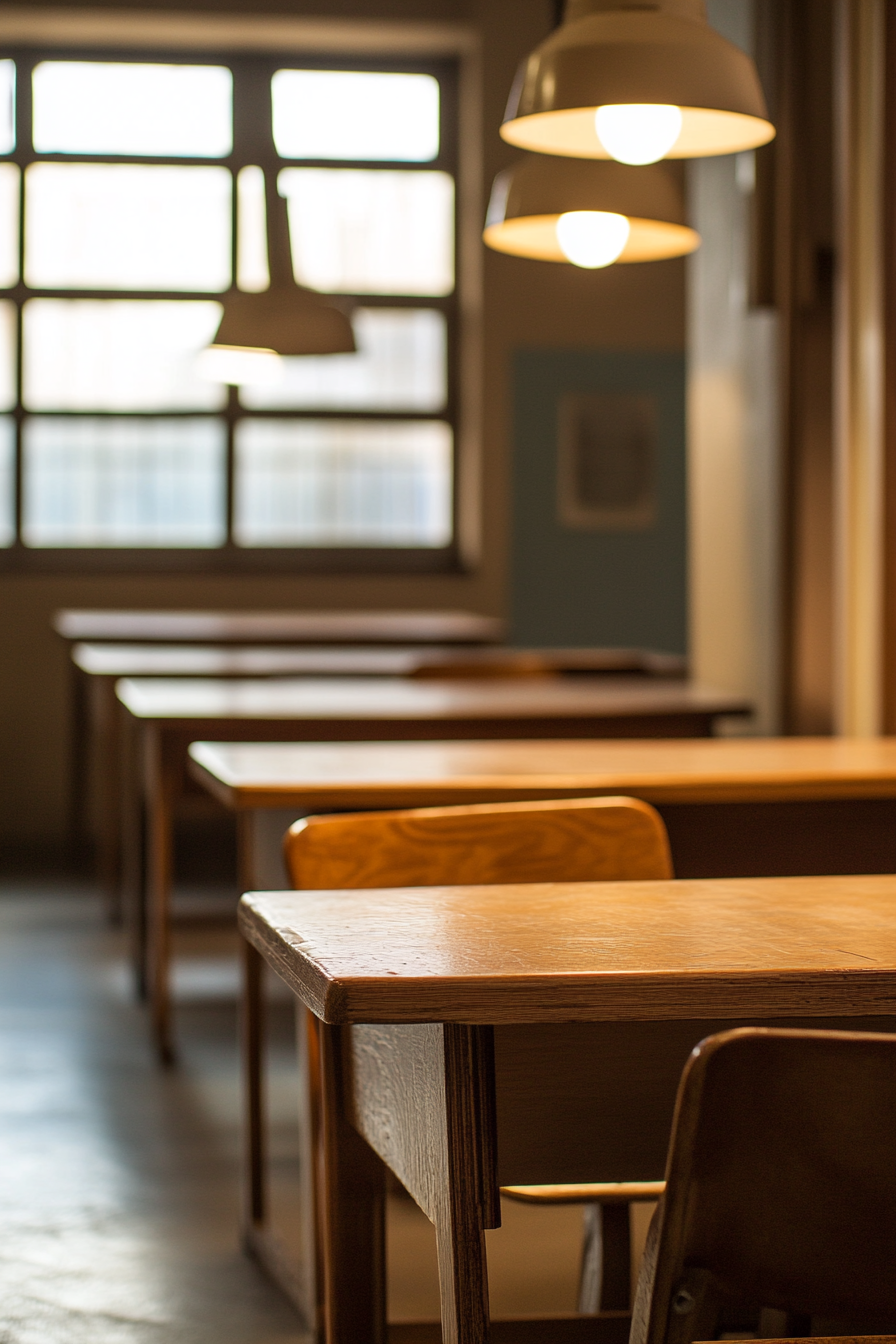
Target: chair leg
x=605 y=1278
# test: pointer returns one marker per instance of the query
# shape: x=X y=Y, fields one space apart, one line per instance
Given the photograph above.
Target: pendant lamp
x=587 y=213
x=257 y=329
x=637 y=81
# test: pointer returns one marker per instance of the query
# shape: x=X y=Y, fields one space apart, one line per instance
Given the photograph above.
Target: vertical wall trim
x=858 y=369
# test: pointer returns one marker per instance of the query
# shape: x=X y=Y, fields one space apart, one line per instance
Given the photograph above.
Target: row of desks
x=550 y=992
x=164 y=716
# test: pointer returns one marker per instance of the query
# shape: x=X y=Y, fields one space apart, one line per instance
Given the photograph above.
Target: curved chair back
x=780 y=1187
x=567 y=840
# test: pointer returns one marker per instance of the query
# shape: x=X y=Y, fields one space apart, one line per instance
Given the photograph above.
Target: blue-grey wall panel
x=602 y=587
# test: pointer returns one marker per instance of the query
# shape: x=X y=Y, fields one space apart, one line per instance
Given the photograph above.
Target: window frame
x=454 y=62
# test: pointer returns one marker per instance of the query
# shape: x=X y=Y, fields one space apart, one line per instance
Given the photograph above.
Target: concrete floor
x=119 y=1182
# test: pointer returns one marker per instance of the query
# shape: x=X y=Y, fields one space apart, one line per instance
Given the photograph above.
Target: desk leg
x=353 y=1213
x=133 y=844
x=422 y=1095
x=110 y=765
x=161 y=776
x=253 y=1090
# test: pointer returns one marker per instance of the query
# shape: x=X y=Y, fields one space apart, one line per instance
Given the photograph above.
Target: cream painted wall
x=525 y=304
x=732 y=435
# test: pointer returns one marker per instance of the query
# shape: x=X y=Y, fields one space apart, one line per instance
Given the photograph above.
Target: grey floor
x=119 y=1182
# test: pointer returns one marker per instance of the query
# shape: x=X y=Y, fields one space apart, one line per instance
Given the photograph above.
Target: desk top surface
x=368 y=699
x=417 y=774
x=295 y=627
x=280 y=660
x=765 y=947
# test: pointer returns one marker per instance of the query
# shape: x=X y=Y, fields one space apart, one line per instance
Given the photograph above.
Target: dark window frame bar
x=252 y=145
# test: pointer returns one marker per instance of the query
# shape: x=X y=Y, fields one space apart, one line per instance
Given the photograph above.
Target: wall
x=733 y=458
x=526 y=304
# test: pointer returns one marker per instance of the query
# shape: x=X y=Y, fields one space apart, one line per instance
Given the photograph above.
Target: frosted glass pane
x=101 y=107
x=7 y=355
x=348 y=114
x=343 y=483
x=252 y=272
x=400 y=366
x=7 y=480
x=7 y=107
x=9 y=225
x=117 y=355
x=124 y=482
x=369 y=231
x=127 y=226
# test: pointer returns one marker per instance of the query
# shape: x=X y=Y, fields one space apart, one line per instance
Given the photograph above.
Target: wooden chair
x=780 y=1190
x=571 y=840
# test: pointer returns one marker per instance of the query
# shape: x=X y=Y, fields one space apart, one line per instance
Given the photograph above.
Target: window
x=134 y=192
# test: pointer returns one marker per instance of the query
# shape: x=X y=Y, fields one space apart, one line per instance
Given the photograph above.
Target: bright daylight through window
x=133 y=195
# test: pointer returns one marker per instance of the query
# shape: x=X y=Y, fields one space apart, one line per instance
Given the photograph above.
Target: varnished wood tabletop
x=318 y=627
x=164 y=699
x=417 y=774
x=568 y=952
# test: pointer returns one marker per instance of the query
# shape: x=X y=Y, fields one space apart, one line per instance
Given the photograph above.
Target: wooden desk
x=77 y=625
x=169 y=714
x=733 y=807
x=99 y=665
x=279 y=627
x=487 y=1036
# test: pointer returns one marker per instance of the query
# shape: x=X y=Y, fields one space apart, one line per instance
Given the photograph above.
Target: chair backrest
x=567 y=840
x=780 y=1186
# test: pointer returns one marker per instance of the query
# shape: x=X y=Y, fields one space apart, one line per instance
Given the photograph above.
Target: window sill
x=230 y=560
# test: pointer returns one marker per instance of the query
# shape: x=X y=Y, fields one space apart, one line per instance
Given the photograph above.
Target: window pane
x=93 y=107
x=345 y=114
x=343 y=483
x=400 y=366
x=9 y=225
x=7 y=480
x=7 y=355
x=127 y=226
x=368 y=231
x=252 y=272
x=7 y=106
x=124 y=482
x=117 y=355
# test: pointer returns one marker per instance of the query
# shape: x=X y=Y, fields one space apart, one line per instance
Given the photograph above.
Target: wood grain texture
x=402 y=700
x=420 y=1094
x=312 y=627
x=586 y=951
x=603 y=839
x=362 y=774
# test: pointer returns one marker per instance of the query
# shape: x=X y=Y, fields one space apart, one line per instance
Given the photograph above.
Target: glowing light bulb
x=239 y=365
x=638 y=132
x=592 y=238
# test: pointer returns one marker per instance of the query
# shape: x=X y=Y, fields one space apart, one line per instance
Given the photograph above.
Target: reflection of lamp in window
x=588 y=213
x=268 y=316
x=637 y=81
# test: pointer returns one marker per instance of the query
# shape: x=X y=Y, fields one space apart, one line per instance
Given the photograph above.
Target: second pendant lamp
x=257 y=329
x=588 y=213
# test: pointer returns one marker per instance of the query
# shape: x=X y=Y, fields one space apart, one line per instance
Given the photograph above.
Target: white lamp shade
x=528 y=199
x=620 y=52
